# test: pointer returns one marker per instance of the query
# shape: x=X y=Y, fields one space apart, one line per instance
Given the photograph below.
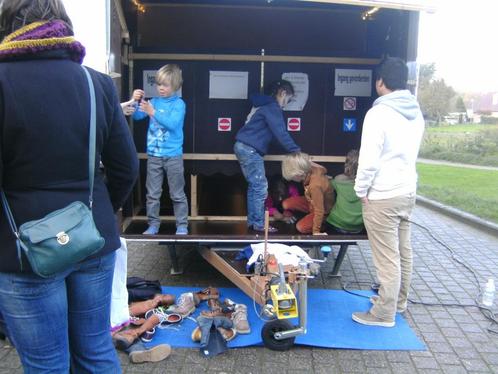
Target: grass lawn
x=471 y=190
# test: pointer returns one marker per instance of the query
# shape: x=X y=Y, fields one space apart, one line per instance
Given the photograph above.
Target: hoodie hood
x=258 y=100
x=401 y=101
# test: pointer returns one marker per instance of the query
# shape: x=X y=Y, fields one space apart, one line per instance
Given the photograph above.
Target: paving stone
x=425 y=363
x=475 y=365
x=352 y=366
x=454 y=369
x=398 y=357
x=398 y=367
x=375 y=359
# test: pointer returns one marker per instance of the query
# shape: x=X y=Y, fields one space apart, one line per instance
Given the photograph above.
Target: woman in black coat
x=62 y=321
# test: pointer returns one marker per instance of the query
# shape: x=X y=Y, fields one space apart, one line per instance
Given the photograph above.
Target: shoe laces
x=240 y=313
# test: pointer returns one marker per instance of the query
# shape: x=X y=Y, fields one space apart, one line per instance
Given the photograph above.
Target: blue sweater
x=265 y=123
x=165 y=134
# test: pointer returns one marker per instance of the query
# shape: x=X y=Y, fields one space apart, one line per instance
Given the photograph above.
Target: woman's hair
x=171 y=74
x=275 y=87
x=296 y=165
x=351 y=163
x=15 y=14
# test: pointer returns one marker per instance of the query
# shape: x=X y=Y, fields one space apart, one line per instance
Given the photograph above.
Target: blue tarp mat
x=329 y=324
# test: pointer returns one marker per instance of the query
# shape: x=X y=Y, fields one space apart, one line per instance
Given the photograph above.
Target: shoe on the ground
x=375 y=298
x=154 y=354
x=147 y=336
x=207 y=294
x=239 y=319
x=182 y=230
x=164 y=299
x=184 y=306
x=151 y=230
x=196 y=334
x=271 y=229
x=366 y=318
x=228 y=334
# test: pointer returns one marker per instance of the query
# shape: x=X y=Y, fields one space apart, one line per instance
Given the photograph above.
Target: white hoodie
x=392 y=132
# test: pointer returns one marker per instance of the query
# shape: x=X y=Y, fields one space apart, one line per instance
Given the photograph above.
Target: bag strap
x=91 y=166
x=91 y=141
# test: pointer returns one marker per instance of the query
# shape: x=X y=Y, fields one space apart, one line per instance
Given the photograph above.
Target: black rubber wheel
x=268 y=335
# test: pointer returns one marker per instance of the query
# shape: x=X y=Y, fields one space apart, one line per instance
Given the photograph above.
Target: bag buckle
x=62 y=238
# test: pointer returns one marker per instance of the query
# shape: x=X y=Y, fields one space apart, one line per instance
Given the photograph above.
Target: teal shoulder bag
x=65 y=236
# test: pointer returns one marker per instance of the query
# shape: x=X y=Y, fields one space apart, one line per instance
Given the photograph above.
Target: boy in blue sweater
x=164 y=147
x=264 y=123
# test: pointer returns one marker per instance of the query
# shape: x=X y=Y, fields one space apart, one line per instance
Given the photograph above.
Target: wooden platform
x=212 y=237
x=230 y=232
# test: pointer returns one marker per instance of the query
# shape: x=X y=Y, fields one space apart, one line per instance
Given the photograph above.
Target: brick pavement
x=456 y=337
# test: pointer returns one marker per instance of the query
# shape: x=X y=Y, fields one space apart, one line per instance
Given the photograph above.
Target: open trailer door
x=230 y=49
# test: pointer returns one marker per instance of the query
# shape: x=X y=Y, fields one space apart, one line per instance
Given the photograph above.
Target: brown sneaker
x=185 y=305
x=228 y=334
x=207 y=294
x=196 y=334
x=366 y=318
x=155 y=354
x=375 y=298
x=239 y=318
x=164 y=299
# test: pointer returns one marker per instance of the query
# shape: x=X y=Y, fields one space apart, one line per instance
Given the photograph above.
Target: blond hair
x=296 y=165
x=171 y=74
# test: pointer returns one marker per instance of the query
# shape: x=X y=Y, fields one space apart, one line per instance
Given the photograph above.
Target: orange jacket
x=320 y=194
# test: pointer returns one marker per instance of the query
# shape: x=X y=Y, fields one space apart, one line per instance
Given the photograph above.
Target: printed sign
x=349 y=124
x=228 y=84
x=300 y=82
x=224 y=124
x=294 y=124
x=353 y=82
x=349 y=103
x=149 y=84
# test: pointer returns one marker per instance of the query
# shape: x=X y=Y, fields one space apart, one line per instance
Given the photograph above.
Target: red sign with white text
x=294 y=124
x=224 y=124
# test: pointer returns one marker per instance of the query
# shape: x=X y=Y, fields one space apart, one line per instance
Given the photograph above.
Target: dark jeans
x=253 y=168
x=205 y=324
x=63 y=321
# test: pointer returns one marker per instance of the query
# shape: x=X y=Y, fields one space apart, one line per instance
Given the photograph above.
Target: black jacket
x=44 y=122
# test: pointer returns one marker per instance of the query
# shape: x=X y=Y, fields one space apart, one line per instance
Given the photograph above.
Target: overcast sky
x=462 y=39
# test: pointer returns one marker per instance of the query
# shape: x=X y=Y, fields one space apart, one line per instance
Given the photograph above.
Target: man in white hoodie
x=386 y=183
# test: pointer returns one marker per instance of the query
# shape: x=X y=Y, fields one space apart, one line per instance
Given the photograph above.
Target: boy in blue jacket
x=164 y=147
x=264 y=123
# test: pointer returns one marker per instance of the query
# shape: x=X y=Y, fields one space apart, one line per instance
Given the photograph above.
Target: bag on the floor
x=140 y=289
x=120 y=315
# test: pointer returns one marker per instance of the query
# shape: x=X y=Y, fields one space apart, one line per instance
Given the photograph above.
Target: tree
x=434 y=95
x=460 y=105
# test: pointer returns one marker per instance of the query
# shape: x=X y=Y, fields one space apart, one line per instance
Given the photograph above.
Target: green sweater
x=346 y=213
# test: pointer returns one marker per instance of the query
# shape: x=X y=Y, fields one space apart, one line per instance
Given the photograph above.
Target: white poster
x=149 y=85
x=300 y=83
x=228 y=84
x=353 y=82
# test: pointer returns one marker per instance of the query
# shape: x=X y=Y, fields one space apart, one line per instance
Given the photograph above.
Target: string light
x=140 y=7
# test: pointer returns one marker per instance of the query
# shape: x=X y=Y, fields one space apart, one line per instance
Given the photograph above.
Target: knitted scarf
x=39 y=37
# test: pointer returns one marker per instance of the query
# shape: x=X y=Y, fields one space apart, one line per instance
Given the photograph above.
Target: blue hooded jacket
x=264 y=123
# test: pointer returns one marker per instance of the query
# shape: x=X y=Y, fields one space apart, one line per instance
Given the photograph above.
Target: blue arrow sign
x=349 y=124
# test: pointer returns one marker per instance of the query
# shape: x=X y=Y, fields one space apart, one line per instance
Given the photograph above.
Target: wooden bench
x=233 y=235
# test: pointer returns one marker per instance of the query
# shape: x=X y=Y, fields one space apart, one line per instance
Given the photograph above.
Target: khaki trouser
x=388 y=230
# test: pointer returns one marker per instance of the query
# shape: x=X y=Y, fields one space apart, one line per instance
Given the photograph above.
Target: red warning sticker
x=294 y=124
x=224 y=124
